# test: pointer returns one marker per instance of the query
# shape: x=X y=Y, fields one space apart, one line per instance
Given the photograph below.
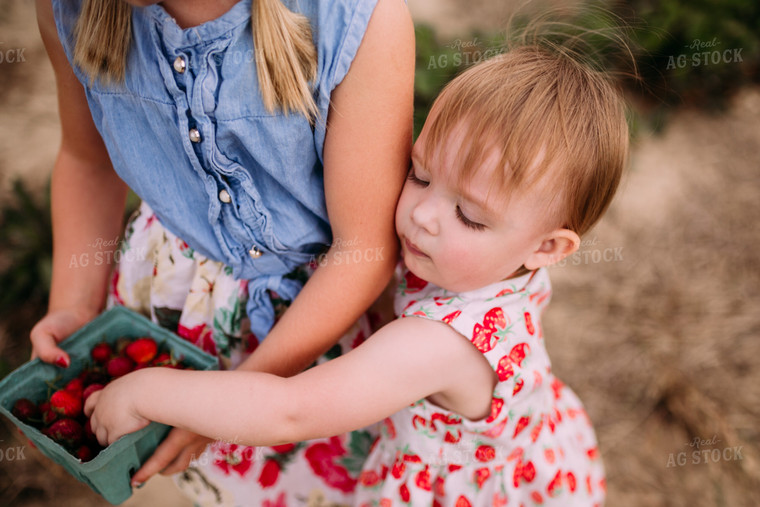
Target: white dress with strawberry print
x=536 y=448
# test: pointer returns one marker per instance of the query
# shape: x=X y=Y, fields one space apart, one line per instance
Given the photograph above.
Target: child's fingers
x=44 y=346
x=89 y=405
x=163 y=456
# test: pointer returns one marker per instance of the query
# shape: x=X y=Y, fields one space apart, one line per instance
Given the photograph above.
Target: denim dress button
x=195 y=135
x=254 y=252
x=224 y=196
x=180 y=65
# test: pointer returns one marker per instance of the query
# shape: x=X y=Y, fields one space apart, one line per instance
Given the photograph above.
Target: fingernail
x=138 y=485
x=62 y=362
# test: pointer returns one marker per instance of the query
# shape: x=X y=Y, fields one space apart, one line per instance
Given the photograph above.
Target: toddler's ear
x=557 y=245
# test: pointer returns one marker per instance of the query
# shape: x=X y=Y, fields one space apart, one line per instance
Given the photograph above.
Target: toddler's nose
x=425 y=216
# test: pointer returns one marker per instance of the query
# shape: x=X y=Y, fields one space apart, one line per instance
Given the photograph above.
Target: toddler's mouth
x=412 y=249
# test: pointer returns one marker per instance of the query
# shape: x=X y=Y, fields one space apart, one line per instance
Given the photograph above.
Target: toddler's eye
x=469 y=223
x=414 y=179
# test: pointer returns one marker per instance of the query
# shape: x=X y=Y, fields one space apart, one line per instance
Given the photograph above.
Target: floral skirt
x=178 y=288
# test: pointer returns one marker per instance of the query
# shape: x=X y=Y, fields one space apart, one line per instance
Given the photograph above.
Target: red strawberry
x=93 y=377
x=66 y=432
x=75 y=385
x=66 y=403
x=26 y=411
x=422 y=480
x=48 y=414
x=521 y=424
x=494 y=318
x=390 y=427
x=284 y=448
x=504 y=293
x=450 y=438
x=553 y=488
x=462 y=502
x=85 y=453
x=119 y=366
x=481 y=338
x=438 y=486
x=524 y=471
x=412 y=283
x=536 y=430
x=404 y=493
x=529 y=324
x=481 y=475
x=142 y=350
x=454 y=468
x=101 y=353
x=496 y=406
x=269 y=473
x=549 y=455
x=593 y=453
x=485 y=453
x=418 y=420
x=162 y=359
x=369 y=478
x=91 y=389
x=536 y=497
x=412 y=458
x=450 y=317
x=519 y=382
x=557 y=386
x=516 y=453
x=518 y=353
x=399 y=467
x=505 y=371
x=571 y=482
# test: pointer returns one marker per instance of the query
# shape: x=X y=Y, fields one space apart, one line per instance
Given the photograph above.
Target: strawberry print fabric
x=200 y=300
x=536 y=448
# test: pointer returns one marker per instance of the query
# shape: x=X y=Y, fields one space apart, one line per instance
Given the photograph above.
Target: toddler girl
x=259 y=135
x=521 y=155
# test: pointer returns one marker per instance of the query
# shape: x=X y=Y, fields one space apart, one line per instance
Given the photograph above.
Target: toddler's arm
x=407 y=360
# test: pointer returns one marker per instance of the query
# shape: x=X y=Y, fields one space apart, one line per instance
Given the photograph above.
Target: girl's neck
x=189 y=13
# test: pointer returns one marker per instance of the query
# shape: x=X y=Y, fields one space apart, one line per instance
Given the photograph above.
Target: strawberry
x=91 y=389
x=571 y=482
x=529 y=324
x=450 y=438
x=536 y=497
x=142 y=350
x=553 y=489
x=412 y=458
x=422 y=480
x=119 y=366
x=75 y=386
x=518 y=353
x=162 y=359
x=557 y=386
x=450 y=317
x=93 y=377
x=485 y=453
x=536 y=430
x=121 y=344
x=85 y=453
x=521 y=424
x=66 y=403
x=481 y=338
x=269 y=473
x=549 y=455
x=101 y=353
x=26 y=411
x=284 y=448
x=418 y=420
x=518 y=385
x=505 y=370
x=462 y=502
x=399 y=467
x=496 y=406
x=439 y=486
x=526 y=472
x=494 y=318
x=48 y=415
x=412 y=283
x=403 y=491
x=481 y=476
x=369 y=478
x=66 y=432
x=390 y=427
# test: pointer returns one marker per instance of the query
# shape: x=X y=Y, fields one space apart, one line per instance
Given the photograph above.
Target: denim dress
x=233 y=214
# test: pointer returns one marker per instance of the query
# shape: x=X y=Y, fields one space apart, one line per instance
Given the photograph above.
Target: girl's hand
x=112 y=410
x=174 y=455
x=52 y=329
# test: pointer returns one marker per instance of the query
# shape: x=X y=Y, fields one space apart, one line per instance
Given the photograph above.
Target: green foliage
x=669 y=29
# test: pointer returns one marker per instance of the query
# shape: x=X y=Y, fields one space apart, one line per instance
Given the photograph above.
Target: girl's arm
x=87 y=204
x=366 y=154
x=405 y=361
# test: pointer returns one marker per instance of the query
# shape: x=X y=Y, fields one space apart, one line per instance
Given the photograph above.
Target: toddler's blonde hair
x=286 y=59
x=546 y=114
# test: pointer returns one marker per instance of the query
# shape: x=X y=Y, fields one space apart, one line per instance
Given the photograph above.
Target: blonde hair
x=546 y=114
x=286 y=59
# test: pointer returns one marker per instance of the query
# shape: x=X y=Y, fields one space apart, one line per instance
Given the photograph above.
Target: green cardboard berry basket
x=109 y=473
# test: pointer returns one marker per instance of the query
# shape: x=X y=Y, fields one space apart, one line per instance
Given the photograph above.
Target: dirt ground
x=654 y=323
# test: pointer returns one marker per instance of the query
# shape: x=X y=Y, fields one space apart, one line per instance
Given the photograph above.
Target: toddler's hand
x=112 y=410
x=52 y=329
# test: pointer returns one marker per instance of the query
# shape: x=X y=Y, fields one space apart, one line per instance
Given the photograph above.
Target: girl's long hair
x=286 y=59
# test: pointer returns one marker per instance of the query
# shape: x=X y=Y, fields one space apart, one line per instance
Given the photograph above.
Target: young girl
x=259 y=136
x=521 y=155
